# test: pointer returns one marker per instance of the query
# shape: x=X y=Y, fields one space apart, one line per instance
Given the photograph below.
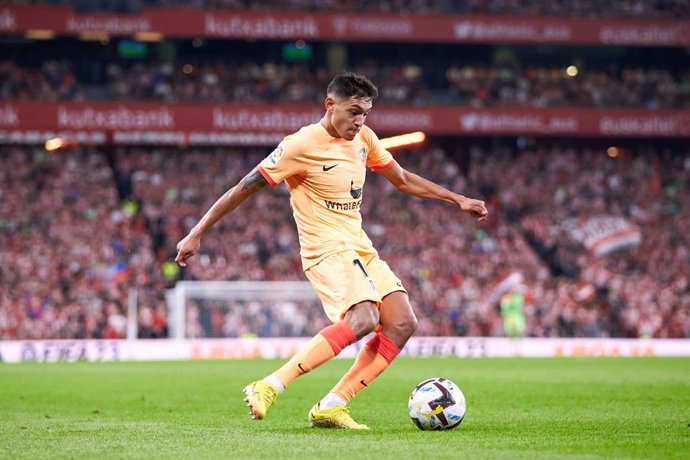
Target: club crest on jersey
x=354 y=191
x=363 y=154
x=277 y=154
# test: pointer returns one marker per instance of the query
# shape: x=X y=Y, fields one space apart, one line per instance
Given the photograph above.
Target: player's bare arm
x=412 y=184
x=250 y=184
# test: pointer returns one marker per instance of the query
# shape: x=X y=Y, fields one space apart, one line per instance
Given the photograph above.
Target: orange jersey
x=325 y=177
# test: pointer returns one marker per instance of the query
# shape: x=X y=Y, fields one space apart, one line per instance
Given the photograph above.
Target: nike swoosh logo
x=362 y=382
x=330 y=167
x=301 y=368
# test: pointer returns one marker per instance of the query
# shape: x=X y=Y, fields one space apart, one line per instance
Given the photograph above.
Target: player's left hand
x=475 y=208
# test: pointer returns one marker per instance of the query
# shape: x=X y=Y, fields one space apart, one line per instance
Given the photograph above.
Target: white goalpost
x=191 y=304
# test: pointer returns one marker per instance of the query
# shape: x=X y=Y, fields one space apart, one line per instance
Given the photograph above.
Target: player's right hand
x=186 y=248
x=475 y=208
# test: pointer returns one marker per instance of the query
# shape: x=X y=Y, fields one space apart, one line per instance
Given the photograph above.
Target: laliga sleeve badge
x=277 y=154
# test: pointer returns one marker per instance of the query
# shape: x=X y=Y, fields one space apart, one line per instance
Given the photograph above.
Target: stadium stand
x=269 y=82
x=594 y=232
x=68 y=284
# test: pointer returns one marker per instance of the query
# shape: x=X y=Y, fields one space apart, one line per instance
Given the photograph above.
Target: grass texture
x=516 y=409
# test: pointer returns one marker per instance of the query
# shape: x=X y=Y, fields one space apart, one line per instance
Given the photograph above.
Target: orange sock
x=325 y=345
x=371 y=360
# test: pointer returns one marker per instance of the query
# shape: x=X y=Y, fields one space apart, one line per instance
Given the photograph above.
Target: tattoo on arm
x=254 y=180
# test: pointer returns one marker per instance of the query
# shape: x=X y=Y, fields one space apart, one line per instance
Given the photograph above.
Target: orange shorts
x=347 y=278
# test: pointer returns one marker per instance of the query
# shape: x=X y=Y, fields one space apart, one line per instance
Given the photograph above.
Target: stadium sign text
x=234 y=124
x=264 y=27
x=193 y=23
x=69 y=350
x=109 y=24
x=283 y=348
x=115 y=118
x=263 y=119
x=644 y=125
x=651 y=35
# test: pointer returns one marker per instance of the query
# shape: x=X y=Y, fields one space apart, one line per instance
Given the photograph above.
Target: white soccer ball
x=437 y=404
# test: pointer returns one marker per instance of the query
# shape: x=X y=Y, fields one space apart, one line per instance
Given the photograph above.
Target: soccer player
x=324 y=167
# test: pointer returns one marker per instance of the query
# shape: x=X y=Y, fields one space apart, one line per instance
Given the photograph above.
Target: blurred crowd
x=81 y=231
x=474 y=85
x=71 y=249
x=53 y=81
x=578 y=8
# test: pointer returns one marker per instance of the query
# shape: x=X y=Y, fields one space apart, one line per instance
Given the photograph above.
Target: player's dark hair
x=349 y=84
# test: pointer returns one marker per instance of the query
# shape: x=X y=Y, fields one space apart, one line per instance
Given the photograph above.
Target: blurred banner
x=283 y=348
x=604 y=234
x=209 y=124
x=194 y=23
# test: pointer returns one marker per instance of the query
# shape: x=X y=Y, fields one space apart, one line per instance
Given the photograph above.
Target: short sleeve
x=378 y=158
x=286 y=160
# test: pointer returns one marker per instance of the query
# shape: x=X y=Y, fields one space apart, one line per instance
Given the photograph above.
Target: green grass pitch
x=517 y=409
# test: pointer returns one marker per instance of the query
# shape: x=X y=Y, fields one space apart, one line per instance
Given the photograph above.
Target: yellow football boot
x=337 y=417
x=260 y=395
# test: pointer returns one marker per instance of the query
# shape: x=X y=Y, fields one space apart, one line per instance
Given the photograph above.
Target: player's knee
x=406 y=325
x=362 y=318
x=414 y=325
x=410 y=325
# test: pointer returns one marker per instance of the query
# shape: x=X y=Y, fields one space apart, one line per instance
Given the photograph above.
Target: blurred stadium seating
x=405 y=83
x=579 y=8
x=80 y=227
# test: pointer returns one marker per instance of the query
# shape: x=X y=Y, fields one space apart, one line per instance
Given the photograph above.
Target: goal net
x=215 y=309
